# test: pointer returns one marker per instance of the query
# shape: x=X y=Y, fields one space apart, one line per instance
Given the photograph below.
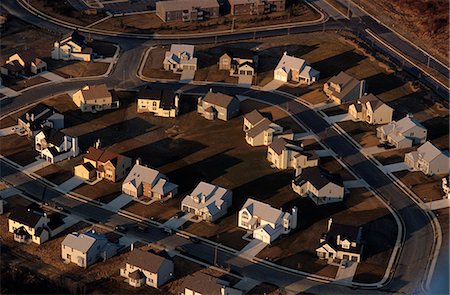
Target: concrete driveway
x=119 y=202
x=36 y=165
x=71 y=183
x=272 y=85
x=178 y=222
x=253 y=248
x=395 y=167
x=9 y=130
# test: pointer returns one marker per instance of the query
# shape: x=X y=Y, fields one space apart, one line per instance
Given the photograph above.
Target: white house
x=344 y=88
x=428 y=159
x=265 y=222
x=295 y=69
x=72 y=47
x=84 y=249
x=341 y=242
x=261 y=131
x=218 y=105
x=38 y=117
x=145 y=182
x=251 y=119
x=404 y=133
x=180 y=58
x=208 y=201
x=54 y=145
x=95 y=98
x=285 y=154
x=319 y=185
x=159 y=101
x=372 y=110
x=147 y=268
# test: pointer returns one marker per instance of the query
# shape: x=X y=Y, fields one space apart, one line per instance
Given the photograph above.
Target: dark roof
x=13 y=66
x=219 y=99
x=55 y=221
x=28 y=55
x=202 y=283
x=136 y=275
x=89 y=166
x=26 y=216
x=54 y=136
x=318 y=177
x=278 y=145
x=311 y=155
x=145 y=260
x=76 y=37
x=36 y=110
x=247 y=63
x=254 y=117
x=240 y=53
x=165 y=96
x=346 y=232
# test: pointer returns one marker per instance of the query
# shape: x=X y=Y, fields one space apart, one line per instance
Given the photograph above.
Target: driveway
x=272 y=85
x=395 y=167
x=119 y=202
x=245 y=81
x=338 y=118
x=187 y=76
x=36 y=165
x=355 y=183
x=71 y=183
x=252 y=249
x=52 y=77
x=8 y=130
x=178 y=222
x=345 y=275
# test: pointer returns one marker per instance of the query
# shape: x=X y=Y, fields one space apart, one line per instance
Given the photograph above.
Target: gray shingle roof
x=318 y=177
x=145 y=260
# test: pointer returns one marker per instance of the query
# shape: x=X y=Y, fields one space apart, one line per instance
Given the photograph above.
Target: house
x=73 y=46
x=54 y=145
x=32 y=224
x=216 y=105
x=285 y=154
x=108 y=165
x=341 y=242
x=445 y=188
x=428 y=159
x=95 y=98
x=84 y=249
x=145 y=182
x=343 y=88
x=208 y=201
x=404 y=133
x=23 y=63
x=159 y=101
x=294 y=69
x=180 y=58
x=262 y=132
x=239 y=62
x=192 y=10
x=256 y=7
x=265 y=222
x=319 y=185
x=38 y=117
x=371 y=109
x=147 y=268
x=200 y=283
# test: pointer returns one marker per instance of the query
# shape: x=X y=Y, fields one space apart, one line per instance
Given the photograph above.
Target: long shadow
x=382 y=82
x=437 y=127
x=335 y=64
x=165 y=151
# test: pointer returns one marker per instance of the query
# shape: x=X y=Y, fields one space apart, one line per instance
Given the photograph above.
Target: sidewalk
x=395 y=167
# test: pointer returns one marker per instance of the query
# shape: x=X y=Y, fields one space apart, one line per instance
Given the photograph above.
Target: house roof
x=260 y=127
x=180 y=50
x=26 y=216
x=346 y=232
x=28 y=55
x=318 y=177
x=145 y=260
x=82 y=242
x=254 y=117
x=88 y=166
x=346 y=82
x=373 y=100
x=202 y=283
x=164 y=95
x=76 y=38
x=94 y=92
x=405 y=124
x=280 y=144
x=287 y=63
x=176 y=5
x=157 y=181
x=37 y=110
x=206 y=195
x=53 y=136
x=263 y=211
x=136 y=275
x=13 y=66
x=429 y=152
x=219 y=99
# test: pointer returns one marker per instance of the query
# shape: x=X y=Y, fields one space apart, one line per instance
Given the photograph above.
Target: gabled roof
x=95 y=154
x=346 y=232
x=164 y=95
x=203 y=284
x=263 y=211
x=346 y=82
x=26 y=216
x=37 y=110
x=254 y=117
x=260 y=127
x=82 y=242
x=145 y=260
x=13 y=66
x=318 y=177
x=219 y=99
x=406 y=124
x=429 y=152
x=53 y=136
x=280 y=144
x=287 y=63
x=206 y=195
x=93 y=92
x=28 y=56
x=374 y=101
x=76 y=38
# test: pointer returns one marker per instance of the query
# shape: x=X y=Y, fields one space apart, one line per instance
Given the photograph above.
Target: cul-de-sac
x=224 y=147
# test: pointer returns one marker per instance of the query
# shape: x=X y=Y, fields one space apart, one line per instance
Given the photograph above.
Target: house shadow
x=383 y=82
x=334 y=65
x=436 y=127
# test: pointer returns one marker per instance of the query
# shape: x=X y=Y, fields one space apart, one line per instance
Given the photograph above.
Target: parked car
x=389 y=146
x=181 y=249
x=179 y=214
x=166 y=230
x=194 y=240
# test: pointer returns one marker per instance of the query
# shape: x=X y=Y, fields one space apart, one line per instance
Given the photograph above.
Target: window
x=154 y=103
x=68 y=256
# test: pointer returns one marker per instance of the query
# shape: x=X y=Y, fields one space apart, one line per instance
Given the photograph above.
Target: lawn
x=18 y=149
x=426 y=187
x=362 y=132
x=61 y=171
x=393 y=156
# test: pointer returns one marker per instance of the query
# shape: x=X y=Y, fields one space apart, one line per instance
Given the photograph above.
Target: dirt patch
x=20 y=84
x=333 y=166
x=426 y=187
x=61 y=171
x=393 y=156
x=362 y=132
x=18 y=149
x=74 y=69
x=153 y=67
x=104 y=191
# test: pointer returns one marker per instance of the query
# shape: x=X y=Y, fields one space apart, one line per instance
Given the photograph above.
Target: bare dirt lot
x=360 y=208
x=426 y=187
x=153 y=67
x=365 y=134
x=393 y=156
x=19 y=149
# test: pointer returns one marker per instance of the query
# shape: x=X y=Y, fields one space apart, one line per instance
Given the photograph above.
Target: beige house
x=23 y=63
x=344 y=88
x=265 y=222
x=239 y=62
x=372 y=110
x=294 y=69
x=208 y=201
x=200 y=283
x=192 y=10
x=159 y=101
x=180 y=58
x=285 y=154
x=342 y=242
x=146 y=183
x=404 y=133
x=95 y=98
x=261 y=131
x=428 y=159
x=72 y=47
x=147 y=268
x=216 y=105
x=319 y=185
x=108 y=165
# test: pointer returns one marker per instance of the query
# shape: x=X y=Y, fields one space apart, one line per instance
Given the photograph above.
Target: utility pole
x=428 y=62
x=232 y=25
x=348 y=9
x=215 y=254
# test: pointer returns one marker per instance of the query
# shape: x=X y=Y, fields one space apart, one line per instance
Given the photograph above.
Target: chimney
x=210 y=90
x=362 y=89
x=203 y=198
x=294 y=217
x=284 y=53
x=97 y=144
x=66 y=143
x=338 y=239
x=27 y=116
x=132 y=247
x=32 y=117
x=138 y=161
x=330 y=221
x=75 y=149
x=177 y=101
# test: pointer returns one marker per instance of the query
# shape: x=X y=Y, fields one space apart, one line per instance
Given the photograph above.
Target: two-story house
x=54 y=145
x=319 y=185
x=147 y=268
x=259 y=130
x=294 y=69
x=265 y=222
x=95 y=98
x=341 y=242
x=403 y=133
x=23 y=63
x=180 y=58
x=428 y=159
x=216 y=105
x=38 y=117
x=256 y=7
x=207 y=201
x=239 y=62
x=200 y=283
x=193 y=10
x=285 y=154
x=72 y=46
x=160 y=101
x=344 y=88
x=146 y=183
x=371 y=110
x=85 y=249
